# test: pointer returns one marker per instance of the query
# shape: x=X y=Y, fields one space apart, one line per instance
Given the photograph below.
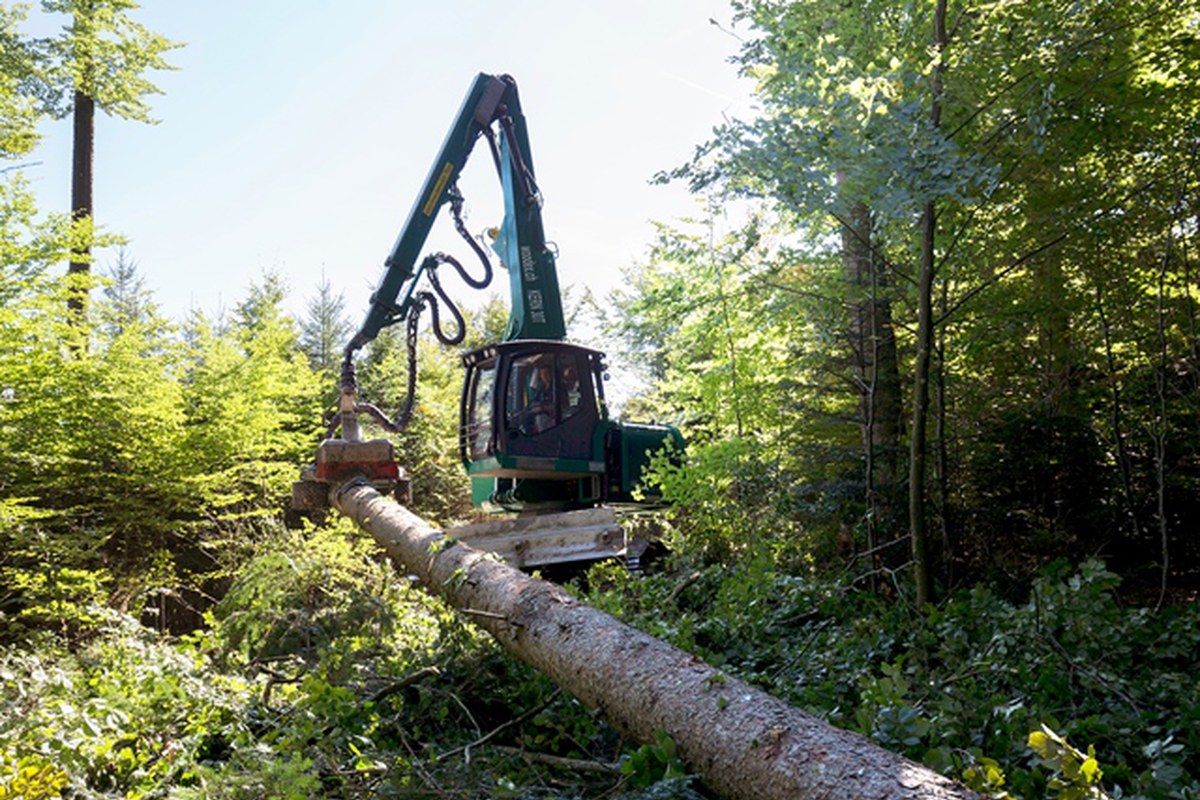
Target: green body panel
x=633 y=445
x=524 y=494
x=525 y=465
x=641 y=444
x=615 y=475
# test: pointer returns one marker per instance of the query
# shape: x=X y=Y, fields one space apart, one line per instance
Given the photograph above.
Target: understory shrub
x=324 y=673
x=960 y=687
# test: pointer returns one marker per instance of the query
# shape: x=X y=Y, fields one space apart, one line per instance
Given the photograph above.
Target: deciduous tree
x=980 y=169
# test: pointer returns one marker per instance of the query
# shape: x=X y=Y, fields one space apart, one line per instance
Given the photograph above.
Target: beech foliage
x=1061 y=178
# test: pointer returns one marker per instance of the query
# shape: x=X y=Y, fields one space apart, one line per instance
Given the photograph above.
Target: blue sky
x=295 y=135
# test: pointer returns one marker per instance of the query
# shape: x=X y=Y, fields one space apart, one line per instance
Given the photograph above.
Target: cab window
x=544 y=391
x=479 y=424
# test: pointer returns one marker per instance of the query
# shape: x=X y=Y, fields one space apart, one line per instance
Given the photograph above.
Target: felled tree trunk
x=743 y=742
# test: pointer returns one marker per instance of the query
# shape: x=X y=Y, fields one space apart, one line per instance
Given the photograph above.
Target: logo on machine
x=537 y=306
x=527 y=270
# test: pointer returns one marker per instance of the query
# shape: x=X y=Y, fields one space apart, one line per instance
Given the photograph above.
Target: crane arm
x=491 y=109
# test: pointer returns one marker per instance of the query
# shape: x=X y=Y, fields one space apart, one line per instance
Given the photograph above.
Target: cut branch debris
x=512 y=723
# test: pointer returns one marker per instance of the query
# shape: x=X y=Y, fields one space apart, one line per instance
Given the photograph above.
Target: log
x=741 y=741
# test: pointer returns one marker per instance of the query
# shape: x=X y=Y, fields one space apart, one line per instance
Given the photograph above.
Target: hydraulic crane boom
x=492 y=110
x=534 y=429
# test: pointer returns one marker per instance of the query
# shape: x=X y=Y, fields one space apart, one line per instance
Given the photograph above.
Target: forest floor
x=324 y=673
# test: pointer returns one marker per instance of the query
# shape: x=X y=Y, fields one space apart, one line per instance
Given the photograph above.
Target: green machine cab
x=534 y=430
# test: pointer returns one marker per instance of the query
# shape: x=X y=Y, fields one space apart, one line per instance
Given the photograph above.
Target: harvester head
x=341 y=461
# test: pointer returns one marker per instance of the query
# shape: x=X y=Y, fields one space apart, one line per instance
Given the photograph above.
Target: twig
x=791 y=662
x=1095 y=676
x=467 y=711
x=616 y=787
x=891 y=572
x=259 y=660
x=574 y=764
x=684 y=584
x=275 y=678
x=391 y=688
x=539 y=708
x=415 y=762
x=872 y=551
x=15 y=167
x=406 y=681
x=475 y=612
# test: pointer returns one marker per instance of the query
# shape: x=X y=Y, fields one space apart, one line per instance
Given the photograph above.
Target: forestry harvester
x=535 y=435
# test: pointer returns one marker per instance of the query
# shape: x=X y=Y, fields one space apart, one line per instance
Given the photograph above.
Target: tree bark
x=1159 y=432
x=1117 y=418
x=942 y=461
x=878 y=372
x=1054 y=334
x=83 y=150
x=877 y=376
x=917 y=524
x=742 y=742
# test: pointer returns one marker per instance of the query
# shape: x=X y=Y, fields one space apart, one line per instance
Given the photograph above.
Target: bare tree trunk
x=922 y=574
x=735 y=390
x=878 y=372
x=856 y=260
x=1160 y=388
x=1160 y=429
x=743 y=742
x=942 y=464
x=1054 y=333
x=917 y=523
x=83 y=150
x=1118 y=424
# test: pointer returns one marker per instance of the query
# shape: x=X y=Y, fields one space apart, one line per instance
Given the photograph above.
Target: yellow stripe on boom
x=432 y=203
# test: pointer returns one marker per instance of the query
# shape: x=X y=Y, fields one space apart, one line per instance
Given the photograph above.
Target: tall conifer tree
x=98 y=62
